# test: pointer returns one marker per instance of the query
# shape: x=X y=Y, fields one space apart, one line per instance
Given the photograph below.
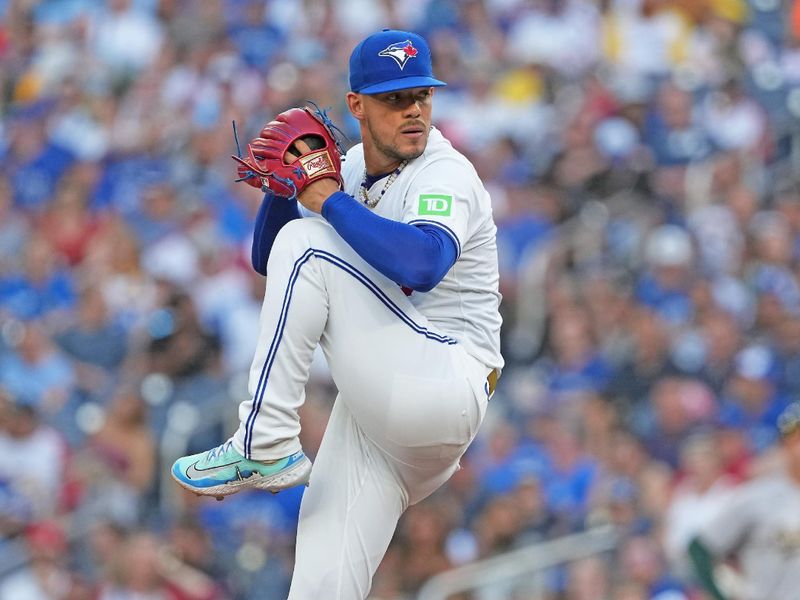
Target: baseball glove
x=275 y=161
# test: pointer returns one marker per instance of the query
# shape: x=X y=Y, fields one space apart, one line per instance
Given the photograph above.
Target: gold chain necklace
x=364 y=194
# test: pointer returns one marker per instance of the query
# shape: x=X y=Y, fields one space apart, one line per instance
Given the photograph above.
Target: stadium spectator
x=47 y=576
x=37 y=373
x=24 y=439
x=96 y=343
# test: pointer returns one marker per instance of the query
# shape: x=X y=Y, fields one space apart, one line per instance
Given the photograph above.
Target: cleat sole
x=295 y=475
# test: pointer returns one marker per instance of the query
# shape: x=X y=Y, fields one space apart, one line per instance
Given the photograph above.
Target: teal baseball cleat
x=222 y=471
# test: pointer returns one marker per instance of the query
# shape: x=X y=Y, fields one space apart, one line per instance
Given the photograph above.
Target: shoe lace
x=221 y=449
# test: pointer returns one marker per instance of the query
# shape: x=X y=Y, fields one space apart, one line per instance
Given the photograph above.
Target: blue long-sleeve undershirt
x=415 y=256
x=273 y=214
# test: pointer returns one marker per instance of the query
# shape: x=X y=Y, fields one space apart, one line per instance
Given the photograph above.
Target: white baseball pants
x=410 y=401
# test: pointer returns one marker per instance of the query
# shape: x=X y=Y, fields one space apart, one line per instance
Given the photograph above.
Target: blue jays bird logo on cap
x=400 y=52
x=371 y=73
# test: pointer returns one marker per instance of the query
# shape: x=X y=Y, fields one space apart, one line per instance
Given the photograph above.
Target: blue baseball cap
x=391 y=60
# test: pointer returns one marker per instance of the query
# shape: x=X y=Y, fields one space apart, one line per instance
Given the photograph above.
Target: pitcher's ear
x=355 y=103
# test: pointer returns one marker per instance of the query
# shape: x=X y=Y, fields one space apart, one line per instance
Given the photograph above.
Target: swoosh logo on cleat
x=193 y=472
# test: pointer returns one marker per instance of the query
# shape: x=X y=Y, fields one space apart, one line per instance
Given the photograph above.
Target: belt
x=491 y=381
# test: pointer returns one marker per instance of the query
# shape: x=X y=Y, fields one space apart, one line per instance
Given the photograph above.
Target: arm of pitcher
x=416 y=256
x=273 y=214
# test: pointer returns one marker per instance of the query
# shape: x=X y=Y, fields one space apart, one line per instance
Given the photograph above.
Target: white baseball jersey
x=761 y=524
x=441 y=188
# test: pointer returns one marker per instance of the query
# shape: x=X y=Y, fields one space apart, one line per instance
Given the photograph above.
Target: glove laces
x=248 y=174
x=322 y=115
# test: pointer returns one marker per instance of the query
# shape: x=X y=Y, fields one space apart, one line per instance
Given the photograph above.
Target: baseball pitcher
x=389 y=263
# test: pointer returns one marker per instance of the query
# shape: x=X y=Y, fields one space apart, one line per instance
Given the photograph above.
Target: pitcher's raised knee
x=301 y=234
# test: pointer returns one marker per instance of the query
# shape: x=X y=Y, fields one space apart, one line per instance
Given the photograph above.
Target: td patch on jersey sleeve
x=438 y=205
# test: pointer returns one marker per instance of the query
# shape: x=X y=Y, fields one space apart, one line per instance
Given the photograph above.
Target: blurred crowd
x=643 y=158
